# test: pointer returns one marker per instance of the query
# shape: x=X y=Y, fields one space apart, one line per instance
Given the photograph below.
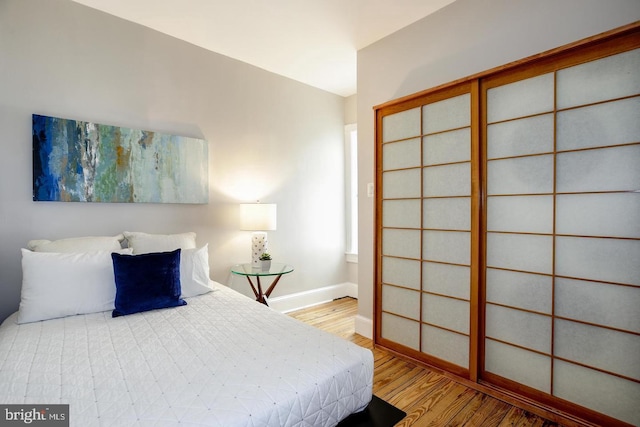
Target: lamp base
x=258 y=247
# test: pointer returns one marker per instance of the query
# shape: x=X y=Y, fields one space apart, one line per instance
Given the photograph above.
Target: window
x=351 y=191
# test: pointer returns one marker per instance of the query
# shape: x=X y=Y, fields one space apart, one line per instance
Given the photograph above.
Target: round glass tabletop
x=248 y=269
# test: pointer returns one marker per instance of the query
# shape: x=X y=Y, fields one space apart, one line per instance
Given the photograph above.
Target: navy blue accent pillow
x=146 y=282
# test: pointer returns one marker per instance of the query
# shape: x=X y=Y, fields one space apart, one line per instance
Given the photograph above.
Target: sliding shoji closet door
x=425 y=233
x=401 y=229
x=562 y=283
x=508 y=228
x=446 y=236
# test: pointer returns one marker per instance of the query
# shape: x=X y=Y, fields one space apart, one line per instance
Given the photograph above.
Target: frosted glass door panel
x=612 y=123
x=446 y=279
x=446 y=345
x=608 y=394
x=401 y=272
x=446 y=222
x=521 y=290
x=447 y=147
x=401 y=243
x=452 y=113
x=518 y=327
x=403 y=302
x=532 y=214
x=599 y=303
x=447 y=180
x=596 y=347
x=401 y=213
x=612 y=214
x=524 y=175
x=401 y=184
x=446 y=312
x=401 y=330
x=427 y=196
x=608 y=260
x=448 y=213
x=447 y=246
x=401 y=155
x=532 y=135
x=401 y=125
x=604 y=169
x=522 y=98
x=584 y=84
x=519 y=365
x=529 y=253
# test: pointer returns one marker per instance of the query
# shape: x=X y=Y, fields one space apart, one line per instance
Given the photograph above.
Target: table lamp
x=259 y=218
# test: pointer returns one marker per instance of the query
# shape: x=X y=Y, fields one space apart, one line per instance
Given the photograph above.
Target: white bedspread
x=221 y=360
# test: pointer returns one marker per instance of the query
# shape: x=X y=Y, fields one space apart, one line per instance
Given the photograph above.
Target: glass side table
x=247 y=270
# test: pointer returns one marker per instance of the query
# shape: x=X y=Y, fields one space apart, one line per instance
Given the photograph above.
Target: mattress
x=221 y=360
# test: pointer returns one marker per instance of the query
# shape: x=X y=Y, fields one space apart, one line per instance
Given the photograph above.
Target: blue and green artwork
x=76 y=161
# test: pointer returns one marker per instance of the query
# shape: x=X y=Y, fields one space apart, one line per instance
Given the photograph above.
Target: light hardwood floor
x=428 y=398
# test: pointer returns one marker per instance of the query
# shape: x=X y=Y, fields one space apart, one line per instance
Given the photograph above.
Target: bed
x=220 y=360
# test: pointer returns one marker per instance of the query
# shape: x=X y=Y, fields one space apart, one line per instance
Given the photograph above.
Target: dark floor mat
x=377 y=414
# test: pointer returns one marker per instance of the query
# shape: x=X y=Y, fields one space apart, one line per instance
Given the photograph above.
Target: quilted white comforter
x=221 y=360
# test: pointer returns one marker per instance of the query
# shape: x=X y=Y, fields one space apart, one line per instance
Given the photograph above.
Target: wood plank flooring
x=428 y=397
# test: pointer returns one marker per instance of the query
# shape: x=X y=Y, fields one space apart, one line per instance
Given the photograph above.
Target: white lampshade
x=258 y=216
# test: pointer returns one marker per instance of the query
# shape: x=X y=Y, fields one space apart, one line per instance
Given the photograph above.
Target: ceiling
x=311 y=41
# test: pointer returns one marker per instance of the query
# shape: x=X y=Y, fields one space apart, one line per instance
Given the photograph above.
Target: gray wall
x=464 y=38
x=270 y=138
x=351 y=109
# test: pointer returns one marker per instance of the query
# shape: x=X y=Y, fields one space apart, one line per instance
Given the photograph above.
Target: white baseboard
x=313 y=297
x=364 y=326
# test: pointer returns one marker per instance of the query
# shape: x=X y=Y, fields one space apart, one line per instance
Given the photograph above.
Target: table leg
x=261 y=296
x=253 y=288
x=260 y=293
x=273 y=285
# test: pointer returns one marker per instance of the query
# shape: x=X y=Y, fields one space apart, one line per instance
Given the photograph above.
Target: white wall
x=462 y=39
x=270 y=138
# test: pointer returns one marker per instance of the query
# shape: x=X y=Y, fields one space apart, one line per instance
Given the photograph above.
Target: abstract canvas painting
x=76 y=161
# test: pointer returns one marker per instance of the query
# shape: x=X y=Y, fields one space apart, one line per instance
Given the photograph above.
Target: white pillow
x=194 y=272
x=65 y=284
x=143 y=243
x=78 y=244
